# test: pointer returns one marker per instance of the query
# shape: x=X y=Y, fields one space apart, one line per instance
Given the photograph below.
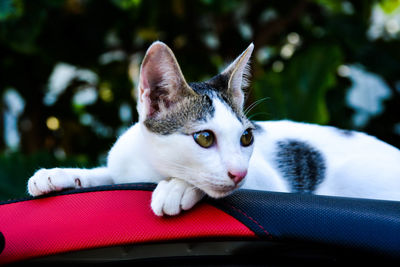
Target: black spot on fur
x=217 y=87
x=219 y=82
x=302 y=165
x=202 y=88
x=220 y=85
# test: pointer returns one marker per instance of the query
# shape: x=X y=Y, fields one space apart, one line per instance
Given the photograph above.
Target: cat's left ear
x=161 y=82
x=236 y=77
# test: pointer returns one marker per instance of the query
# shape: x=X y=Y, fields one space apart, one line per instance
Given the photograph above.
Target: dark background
x=68 y=68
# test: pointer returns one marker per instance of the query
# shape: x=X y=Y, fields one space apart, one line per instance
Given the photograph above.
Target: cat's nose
x=237 y=176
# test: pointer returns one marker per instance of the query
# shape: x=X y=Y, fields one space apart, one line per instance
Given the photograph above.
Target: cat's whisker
x=250 y=106
x=258 y=113
x=254 y=104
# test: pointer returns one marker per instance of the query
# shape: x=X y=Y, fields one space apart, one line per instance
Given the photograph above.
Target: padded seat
x=60 y=225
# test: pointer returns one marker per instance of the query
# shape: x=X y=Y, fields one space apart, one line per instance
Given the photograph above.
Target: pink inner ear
x=144 y=93
x=161 y=80
x=144 y=83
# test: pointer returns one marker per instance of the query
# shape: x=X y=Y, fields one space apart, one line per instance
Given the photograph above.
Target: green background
x=305 y=54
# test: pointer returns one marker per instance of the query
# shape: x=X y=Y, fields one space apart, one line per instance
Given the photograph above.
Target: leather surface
x=355 y=223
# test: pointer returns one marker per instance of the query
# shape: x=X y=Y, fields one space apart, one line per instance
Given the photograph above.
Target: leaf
x=299 y=91
x=127 y=4
x=10 y=9
x=389 y=6
x=21 y=34
x=331 y=5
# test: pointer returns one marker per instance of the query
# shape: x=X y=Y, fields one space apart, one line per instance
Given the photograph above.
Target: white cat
x=194 y=139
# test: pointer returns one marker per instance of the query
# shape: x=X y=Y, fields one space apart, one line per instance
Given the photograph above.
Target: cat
x=194 y=139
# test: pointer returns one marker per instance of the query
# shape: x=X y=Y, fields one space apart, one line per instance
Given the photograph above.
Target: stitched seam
x=252 y=219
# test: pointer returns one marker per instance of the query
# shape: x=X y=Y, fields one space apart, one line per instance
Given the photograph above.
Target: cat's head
x=195 y=131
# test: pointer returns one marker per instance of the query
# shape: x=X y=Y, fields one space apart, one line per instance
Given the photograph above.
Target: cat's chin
x=220 y=193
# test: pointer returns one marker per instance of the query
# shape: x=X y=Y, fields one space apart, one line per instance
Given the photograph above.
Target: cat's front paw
x=48 y=180
x=174 y=195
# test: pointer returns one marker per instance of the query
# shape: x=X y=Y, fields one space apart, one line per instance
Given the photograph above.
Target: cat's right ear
x=161 y=82
x=234 y=78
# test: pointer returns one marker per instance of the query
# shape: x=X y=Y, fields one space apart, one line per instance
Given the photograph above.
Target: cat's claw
x=48 y=180
x=174 y=195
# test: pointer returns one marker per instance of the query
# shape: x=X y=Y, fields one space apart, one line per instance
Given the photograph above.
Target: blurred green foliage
x=16 y=168
x=303 y=53
x=300 y=95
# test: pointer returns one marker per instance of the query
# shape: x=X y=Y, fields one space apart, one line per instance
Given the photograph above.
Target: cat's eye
x=204 y=138
x=247 y=138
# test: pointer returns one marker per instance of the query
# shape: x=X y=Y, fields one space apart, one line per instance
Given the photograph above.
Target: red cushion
x=63 y=223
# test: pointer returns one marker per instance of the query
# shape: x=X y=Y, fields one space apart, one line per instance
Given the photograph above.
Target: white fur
x=47 y=180
x=356 y=166
x=143 y=156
